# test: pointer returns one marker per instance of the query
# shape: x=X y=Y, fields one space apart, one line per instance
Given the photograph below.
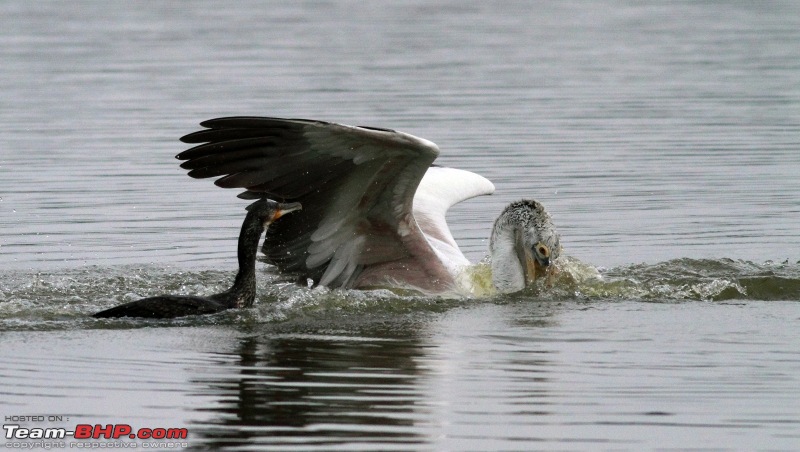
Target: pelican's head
x=524 y=245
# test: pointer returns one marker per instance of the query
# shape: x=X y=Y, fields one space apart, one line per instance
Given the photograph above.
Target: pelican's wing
x=356 y=185
x=440 y=189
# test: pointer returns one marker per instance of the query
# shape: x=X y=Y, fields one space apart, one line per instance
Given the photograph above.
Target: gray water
x=663 y=138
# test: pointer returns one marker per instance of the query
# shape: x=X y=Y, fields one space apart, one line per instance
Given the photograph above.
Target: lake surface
x=664 y=139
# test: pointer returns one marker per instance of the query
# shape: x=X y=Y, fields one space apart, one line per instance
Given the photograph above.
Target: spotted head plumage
x=523 y=245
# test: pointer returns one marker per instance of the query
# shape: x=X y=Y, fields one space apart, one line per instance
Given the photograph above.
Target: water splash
x=66 y=299
x=690 y=279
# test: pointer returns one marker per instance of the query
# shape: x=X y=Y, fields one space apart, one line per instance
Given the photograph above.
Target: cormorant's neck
x=243 y=292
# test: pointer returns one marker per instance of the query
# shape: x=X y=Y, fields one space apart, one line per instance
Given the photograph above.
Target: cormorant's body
x=164 y=307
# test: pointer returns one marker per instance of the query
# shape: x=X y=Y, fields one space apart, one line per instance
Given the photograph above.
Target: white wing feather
x=440 y=189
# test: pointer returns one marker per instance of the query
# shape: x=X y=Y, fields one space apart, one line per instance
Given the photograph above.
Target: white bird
x=373 y=205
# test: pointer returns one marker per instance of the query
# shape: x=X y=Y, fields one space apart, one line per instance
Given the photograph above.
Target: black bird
x=260 y=215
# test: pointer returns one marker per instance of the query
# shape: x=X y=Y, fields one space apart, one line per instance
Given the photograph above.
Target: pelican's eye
x=542 y=250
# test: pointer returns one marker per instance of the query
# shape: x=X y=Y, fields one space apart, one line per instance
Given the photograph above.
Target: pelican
x=374 y=205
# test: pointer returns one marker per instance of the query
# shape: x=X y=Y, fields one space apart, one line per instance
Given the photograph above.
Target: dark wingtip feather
x=211 y=125
x=190 y=138
x=257 y=145
x=249 y=195
x=247 y=122
x=202 y=173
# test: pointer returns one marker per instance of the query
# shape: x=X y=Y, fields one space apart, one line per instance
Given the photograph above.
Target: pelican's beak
x=542 y=266
x=535 y=265
x=284 y=208
x=530 y=267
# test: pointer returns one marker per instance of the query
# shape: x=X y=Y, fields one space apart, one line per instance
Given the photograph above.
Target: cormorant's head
x=269 y=210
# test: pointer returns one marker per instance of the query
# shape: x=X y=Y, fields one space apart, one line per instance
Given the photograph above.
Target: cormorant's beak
x=284 y=208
